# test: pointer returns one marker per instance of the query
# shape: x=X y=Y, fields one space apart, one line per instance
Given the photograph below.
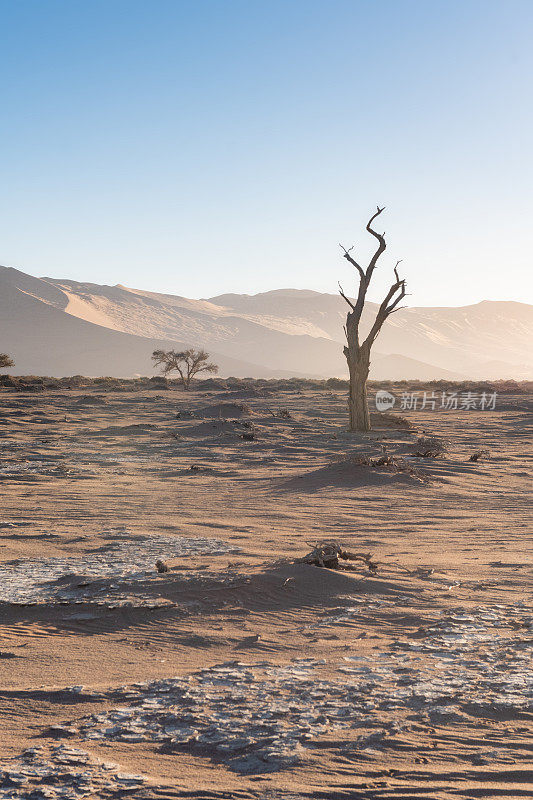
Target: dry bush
x=429 y=447
x=6 y=361
x=384 y=463
x=479 y=454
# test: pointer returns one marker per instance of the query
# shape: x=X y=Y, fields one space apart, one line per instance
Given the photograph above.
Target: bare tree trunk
x=359 y=366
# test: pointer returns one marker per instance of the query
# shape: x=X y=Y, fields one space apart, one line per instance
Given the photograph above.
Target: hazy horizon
x=59 y=278
x=230 y=147
x=58 y=325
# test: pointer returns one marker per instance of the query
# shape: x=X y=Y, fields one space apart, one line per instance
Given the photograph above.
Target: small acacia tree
x=357 y=352
x=187 y=363
x=6 y=361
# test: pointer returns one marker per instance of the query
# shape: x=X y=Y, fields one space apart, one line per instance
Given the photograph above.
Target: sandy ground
x=240 y=673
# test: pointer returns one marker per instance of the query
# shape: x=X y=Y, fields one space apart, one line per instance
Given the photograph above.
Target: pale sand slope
x=486 y=340
x=294 y=331
x=286 y=681
x=43 y=339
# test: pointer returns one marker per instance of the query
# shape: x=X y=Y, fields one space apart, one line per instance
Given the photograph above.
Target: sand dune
x=52 y=326
x=486 y=340
x=45 y=340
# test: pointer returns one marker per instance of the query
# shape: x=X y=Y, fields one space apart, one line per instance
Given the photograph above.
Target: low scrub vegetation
x=335 y=386
x=429 y=447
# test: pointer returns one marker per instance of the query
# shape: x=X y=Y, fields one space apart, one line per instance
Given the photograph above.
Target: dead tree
x=187 y=363
x=357 y=352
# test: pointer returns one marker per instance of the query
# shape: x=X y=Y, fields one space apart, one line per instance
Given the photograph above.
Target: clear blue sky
x=208 y=146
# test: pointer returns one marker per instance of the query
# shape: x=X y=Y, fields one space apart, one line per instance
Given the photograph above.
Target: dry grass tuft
x=429 y=447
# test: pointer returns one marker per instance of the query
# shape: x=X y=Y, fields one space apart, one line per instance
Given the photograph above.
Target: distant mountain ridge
x=58 y=327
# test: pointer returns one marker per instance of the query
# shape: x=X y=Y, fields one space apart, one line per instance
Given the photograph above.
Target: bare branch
x=352 y=261
x=396 y=269
x=381 y=246
x=394 y=296
x=398 y=308
x=390 y=308
x=371 y=220
x=341 y=292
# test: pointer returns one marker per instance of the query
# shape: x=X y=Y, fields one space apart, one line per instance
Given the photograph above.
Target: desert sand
x=241 y=672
